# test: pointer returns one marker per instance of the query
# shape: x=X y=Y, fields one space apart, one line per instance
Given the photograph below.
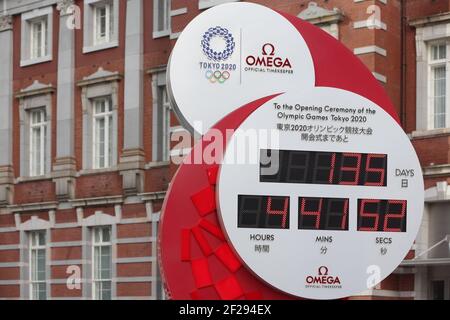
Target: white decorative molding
x=326 y=19
x=100 y=76
x=65 y=7
x=99 y=219
x=5 y=23
x=36 y=88
x=34 y=224
x=318 y=15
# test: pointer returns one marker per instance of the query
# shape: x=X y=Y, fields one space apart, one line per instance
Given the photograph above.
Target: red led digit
x=355 y=170
x=344 y=215
x=400 y=215
x=380 y=171
x=312 y=213
x=369 y=215
x=283 y=212
x=332 y=166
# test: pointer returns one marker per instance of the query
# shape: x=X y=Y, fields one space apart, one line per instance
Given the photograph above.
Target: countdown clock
x=315 y=211
x=314 y=201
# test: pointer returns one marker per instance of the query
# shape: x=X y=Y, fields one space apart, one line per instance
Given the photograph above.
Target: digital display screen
x=268 y=212
x=323 y=214
x=314 y=167
x=382 y=215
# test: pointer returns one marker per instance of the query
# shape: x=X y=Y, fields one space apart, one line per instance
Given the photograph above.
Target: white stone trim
x=133 y=82
x=133 y=279
x=380 y=77
x=180 y=152
x=6 y=97
x=175 y=35
x=136 y=298
x=99 y=47
x=388 y=293
x=382 y=1
x=370 y=24
x=370 y=49
x=204 y=4
x=178 y=12
x=68 y=262
x=135 y=240
x=135 y=260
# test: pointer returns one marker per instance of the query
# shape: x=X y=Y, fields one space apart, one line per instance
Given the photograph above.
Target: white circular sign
x=334 y=206
x=224 y=59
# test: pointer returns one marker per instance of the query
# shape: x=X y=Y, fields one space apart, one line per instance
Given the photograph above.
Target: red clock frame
x=195 y=258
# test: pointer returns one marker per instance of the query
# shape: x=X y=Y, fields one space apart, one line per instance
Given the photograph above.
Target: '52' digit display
x=382 y=215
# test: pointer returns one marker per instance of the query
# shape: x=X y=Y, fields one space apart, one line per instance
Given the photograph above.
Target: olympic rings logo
x=229 y=41
x=217 y=76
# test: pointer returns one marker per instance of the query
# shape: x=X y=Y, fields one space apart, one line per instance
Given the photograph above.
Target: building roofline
x=16 y=6
x=429 y=20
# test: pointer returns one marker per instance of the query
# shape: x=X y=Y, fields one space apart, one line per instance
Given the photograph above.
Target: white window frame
x=29 y=20
x=166 y=30
x=205 y=4
x=107 y=117
x=98 y=38
x=36 y=247
x=35 y=97
x=42 y=127
x=91 y=41
x=99 y=244
x=37 y=50
x=101 y=84
x=166 y=111
x=432 y=65
x=161 y=118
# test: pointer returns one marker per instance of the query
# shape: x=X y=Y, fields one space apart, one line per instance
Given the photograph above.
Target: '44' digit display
x=269 y=212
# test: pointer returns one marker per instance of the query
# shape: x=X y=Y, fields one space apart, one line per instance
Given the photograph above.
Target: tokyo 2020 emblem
x=216 y=69
x=212 y=54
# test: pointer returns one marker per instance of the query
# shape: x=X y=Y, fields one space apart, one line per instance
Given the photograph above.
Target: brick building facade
x=85 y=125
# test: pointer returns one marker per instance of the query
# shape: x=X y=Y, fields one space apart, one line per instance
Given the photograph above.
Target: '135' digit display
x=314 y=167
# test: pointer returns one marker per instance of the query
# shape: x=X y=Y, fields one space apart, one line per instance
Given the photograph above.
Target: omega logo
x=268 y=59
x=323 y=278
x=323 y=271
